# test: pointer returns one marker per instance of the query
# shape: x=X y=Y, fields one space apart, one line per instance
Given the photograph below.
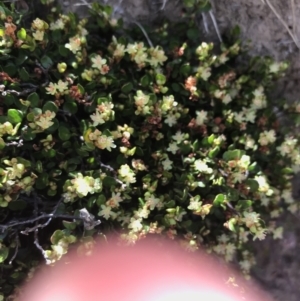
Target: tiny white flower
x=178 y=137
x=278 y=233
x=98 y=62
x=227 y=99
x=260 y=234
x=135 y=225
x=170 y=120
x=74 y=44
x=201 y=117
x=238 y=177
x=167 y=164
x=239 y=117
x=250 y=218
x=201 y=166
x=223 y=238
x=250 y=115
x=97 y=118
x=274 y=67
x=51 y=89
x=173 y=148
x=245 y=265
x=62 y=86
x=293 y=208
x=107 y=212
x=152 y=201
x=38 y=35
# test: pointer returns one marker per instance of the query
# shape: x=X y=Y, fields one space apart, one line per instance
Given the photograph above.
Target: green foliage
x=171 y=139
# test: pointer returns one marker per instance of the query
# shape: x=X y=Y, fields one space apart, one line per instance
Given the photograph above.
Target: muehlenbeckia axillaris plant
x=171 y=139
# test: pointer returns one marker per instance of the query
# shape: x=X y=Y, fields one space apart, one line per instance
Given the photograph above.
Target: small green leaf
x=231 y=224
x=64 y=133
x=63 y=51
x=185 y=69
x=127 y=88
x=46 y=62
x=109 y=181
x=193 y=34
x=211 y=139
x=214 y=152
x=34 y=99
x=121 y=159
x=30 y=116
x=14 y=116
x=176 y=87
x=2 y=143
x=9 y=99
x=53 y=127
x=21 y=58
x=252 y=184
x=57 y=236
x=10 y=69
x=21 y=34
x=24 y=74
x=70 y=107
x=145 y=80
x=50 y=106
x=3 y=253
x=219 y=199
x=160 y=79
x=28 y=135
x=80 y=88
x=233 y=155
x=101 y=200
x=69 y=225
x=42 y=181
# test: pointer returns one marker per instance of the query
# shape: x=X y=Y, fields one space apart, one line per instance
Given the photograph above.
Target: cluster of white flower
x=80 y=187
x=74 y=44
x=225 y=248
x=259 y=101
x=103 y=113
x=171 y=120
x=102 y=141
x=252 y=221
x=201 y=117
x=60 y=87
x=167 y=164
x=202 y=167
x=139 y=53
x=204 y=73
x=39 y=27
x=42 y=121
x=141 y=102
x=99 y=64
x=267 y=137
x=58 y=24
x=127 y=174
x=264 y=186
x=157 y=56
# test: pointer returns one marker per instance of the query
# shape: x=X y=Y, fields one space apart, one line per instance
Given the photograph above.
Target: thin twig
x=31 y=221
x=294 y=17
x=37 y=244
x=205 y=22
x=283 y=23
x=16 y=249
x=144 y=32
x=164 y=4
x=215 y=25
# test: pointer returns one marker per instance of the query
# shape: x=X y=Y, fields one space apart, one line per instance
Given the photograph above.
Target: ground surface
x=278 y=261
